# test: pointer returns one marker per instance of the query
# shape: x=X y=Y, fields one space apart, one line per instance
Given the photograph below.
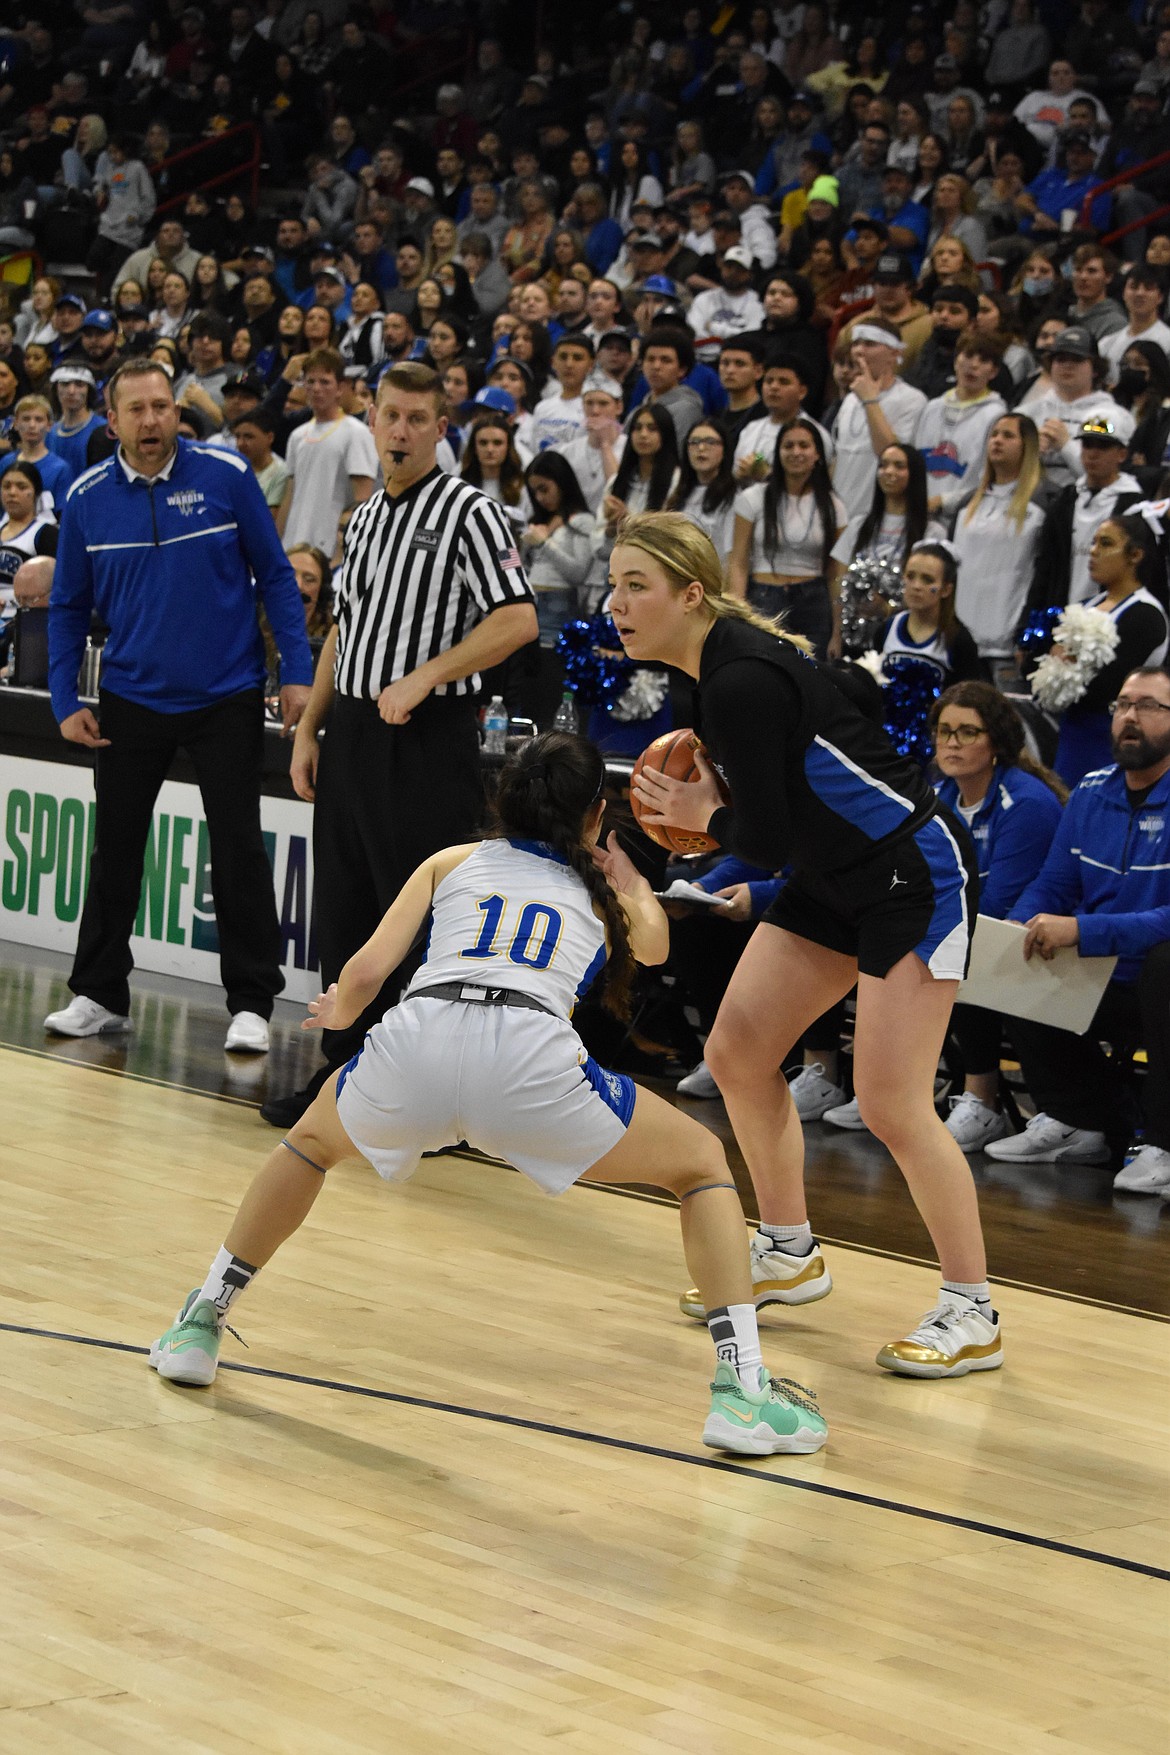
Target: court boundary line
x=581 y=1435
x=468 y=1154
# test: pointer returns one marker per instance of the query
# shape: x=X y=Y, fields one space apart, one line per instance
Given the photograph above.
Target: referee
x=431 y=591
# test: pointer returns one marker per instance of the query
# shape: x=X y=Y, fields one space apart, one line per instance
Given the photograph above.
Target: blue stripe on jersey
x=345 y=1072
x=591 y=974
x=540 y=849
x=853 y=793
x=616 y=1090
x=948 y=875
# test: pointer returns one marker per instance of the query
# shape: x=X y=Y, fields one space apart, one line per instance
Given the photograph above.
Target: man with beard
x=1105 y=889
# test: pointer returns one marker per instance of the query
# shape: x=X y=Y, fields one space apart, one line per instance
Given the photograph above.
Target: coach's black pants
x=225 y=743
x=1069 y=1076
x=388 y=796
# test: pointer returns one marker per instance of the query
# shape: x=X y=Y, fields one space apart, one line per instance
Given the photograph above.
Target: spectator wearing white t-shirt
x=879 y=410
x=594 y=455
x=783 y=389
x=732 y=308
x=331 y=459
x=1142 y=297
x=560 y=417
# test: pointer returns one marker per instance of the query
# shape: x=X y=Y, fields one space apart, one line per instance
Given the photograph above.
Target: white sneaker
x=247 y=1034
x=1047 y=1141
x=951 y=1340
x=777 y=1278
x=1146 y=1171
x=971 y=1124
x=812 y=1092
x=698 y=1083
x=85 y=1017
x=846 y=1115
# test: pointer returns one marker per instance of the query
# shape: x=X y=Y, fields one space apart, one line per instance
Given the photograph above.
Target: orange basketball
x=673 y=754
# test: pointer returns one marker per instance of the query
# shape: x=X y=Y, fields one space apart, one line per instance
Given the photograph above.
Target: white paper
x=1064 y=992
x=691 y=894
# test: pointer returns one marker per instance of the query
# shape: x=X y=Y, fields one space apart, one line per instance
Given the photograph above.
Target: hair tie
x=536 y=770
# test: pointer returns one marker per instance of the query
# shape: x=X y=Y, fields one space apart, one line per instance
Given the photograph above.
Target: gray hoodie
x=129 y=200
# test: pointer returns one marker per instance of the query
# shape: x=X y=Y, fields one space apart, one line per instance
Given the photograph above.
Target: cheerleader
x=882 y=895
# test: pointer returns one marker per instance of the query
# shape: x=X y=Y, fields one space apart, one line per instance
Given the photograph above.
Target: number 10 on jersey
x=534 y=941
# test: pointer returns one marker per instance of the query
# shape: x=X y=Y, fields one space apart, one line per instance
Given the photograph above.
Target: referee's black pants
x=388 y=796
x=225 y=743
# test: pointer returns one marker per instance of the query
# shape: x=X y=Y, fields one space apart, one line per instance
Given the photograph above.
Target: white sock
x=978 y=1291
x=792 y=1239
x=737 y=1340
x=227 y=1277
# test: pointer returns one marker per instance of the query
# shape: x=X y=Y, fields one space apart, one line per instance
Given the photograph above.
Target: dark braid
x=544 y=794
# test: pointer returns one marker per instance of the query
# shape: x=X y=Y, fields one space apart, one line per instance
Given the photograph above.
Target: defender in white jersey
x=481 y=1047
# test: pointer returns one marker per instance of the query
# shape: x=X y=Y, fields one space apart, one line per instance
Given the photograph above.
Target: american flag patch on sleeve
x=510 y=557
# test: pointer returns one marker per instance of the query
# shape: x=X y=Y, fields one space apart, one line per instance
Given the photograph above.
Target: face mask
x=1035 y=287
x=1130 y=385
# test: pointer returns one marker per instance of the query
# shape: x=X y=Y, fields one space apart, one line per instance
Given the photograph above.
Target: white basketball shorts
x=515 y=1084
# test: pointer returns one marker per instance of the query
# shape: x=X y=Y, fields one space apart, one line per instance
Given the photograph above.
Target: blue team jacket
x=175 y=569
x=1012 y=832
x=1110 y=867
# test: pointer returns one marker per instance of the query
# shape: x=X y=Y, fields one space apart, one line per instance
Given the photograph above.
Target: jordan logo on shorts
x=896 y=880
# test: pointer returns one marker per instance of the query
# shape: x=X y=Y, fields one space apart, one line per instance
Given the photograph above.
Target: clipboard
x=1064 y=992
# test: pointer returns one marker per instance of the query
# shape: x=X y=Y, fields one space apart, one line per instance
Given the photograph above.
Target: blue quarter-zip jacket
x=1012 y=832
x=1109 y=866
x=175 y=568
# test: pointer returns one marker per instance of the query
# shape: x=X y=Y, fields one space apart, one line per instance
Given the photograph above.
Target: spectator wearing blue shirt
x=907 y=221
x=328 y=287
x=68 y=437
x=1063 y=188
x=31 y=419
x=1104 y=890
x=174 y=547
x=1011 y=807
x=780 y=170
x=603 y=235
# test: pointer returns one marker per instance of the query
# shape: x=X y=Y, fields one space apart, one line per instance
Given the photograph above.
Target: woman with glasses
x=1011 y=806
x=706 y=486
x=1120 y=548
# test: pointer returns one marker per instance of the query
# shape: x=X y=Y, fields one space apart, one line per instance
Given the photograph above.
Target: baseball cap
x=877 y=226
x=603 y=382
x=621 y=335
x=825 y=189
x=134 y=314
x=260 y=250
x=1099 y=431
x=1076 y=342
x=739 y=254
x=893 y=269
x=945 y=64
x=644 y=241
x=1077 y=137
x=494 y=396
x=804 y=97
x=996 y=101
x=71 y=374
x=1146 y=88
x=326 y=273
x=251 y=382
x=105 y=321
x=956 y=295
x=747 y=177
x=661 y=284
x=323 y=247
x=73 y=299
x=423 y=186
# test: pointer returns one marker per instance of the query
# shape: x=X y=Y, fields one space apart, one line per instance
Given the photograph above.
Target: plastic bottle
x=566 y=718
x=495 y=727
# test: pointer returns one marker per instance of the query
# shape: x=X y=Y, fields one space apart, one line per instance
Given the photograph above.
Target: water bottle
x=495 y=727
x=566 y=717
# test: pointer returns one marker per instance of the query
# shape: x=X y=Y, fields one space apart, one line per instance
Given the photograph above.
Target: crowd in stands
x=853 y=288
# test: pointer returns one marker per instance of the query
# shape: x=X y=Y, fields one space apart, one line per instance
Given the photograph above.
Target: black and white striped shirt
x=418 y=573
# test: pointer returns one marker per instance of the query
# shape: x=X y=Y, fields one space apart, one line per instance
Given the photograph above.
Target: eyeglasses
x=960 y=734
x=702 y=444
x=1145 y=706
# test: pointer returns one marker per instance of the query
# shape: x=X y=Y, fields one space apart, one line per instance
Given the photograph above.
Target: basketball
x=673 y=754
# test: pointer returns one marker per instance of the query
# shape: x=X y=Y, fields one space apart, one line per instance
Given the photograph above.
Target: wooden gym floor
x=452 y=1495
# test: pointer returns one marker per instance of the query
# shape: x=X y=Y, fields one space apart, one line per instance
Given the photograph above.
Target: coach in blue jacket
x=1105 y=887
x=173 y=545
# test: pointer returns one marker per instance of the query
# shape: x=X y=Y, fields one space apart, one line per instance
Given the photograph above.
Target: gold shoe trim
x=815 y=1270
x=914 y=1353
